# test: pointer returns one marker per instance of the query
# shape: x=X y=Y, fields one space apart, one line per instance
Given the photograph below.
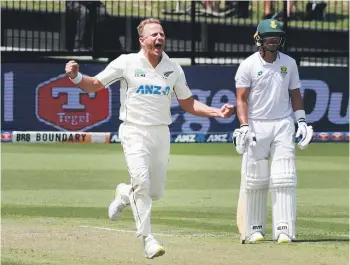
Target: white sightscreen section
x=8 y=96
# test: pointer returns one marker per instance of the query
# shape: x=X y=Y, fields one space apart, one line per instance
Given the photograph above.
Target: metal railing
x=216 y=32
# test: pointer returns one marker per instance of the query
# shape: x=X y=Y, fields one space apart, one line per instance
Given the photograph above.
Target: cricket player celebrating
x=148 y=79
x=265 y=83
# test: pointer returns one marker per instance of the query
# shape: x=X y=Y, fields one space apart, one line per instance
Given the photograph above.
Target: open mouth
x=158 y=46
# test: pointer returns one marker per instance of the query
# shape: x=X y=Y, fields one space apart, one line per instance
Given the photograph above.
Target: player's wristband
x=77 y=79
x=300 y=115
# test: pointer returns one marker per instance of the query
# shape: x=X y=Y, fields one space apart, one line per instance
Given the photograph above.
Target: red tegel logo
x=66 y=107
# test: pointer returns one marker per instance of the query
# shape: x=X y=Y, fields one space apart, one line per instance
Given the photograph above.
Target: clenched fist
x=72 y=69
x=227 y=110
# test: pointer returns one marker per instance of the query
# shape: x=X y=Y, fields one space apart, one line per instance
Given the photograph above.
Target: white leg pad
x=251 y=211
x=283 y=194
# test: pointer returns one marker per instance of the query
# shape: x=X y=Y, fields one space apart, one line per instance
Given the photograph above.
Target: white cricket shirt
x=145 y=92
x=269 y=85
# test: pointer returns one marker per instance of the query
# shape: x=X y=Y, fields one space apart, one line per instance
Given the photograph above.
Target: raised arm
x=112 y=73
x=86 y=83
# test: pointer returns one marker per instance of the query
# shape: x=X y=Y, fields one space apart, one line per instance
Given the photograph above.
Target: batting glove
x=304 y=131
x=243 y=137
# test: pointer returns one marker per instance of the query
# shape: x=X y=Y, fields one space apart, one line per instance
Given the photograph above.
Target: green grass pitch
x=55 y=199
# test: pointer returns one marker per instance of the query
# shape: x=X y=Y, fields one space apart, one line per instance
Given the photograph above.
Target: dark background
x=212 y=85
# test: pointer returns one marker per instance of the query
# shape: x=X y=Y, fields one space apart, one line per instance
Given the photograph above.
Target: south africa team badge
x=283 y=70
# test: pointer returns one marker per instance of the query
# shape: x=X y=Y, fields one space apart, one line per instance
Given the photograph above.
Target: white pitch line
x=194 y=235
x=157 y=234
x=119 y=230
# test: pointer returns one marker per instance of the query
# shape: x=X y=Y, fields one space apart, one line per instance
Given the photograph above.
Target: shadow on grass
x=318 y=240
x=321 y=240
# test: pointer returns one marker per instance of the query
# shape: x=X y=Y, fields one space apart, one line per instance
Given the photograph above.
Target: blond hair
x=145 y=22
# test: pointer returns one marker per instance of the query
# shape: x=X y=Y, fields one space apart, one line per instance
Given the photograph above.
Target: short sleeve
x=181 y=89
x=113 y=72
x=242 y=78
x=294 y=82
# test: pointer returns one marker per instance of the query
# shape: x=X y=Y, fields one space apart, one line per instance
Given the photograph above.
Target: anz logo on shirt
x=153 y=90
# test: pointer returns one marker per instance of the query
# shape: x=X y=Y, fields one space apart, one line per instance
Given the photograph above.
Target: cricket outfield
x=55 y=199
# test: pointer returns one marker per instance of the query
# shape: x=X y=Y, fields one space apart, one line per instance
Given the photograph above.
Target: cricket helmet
x=269 y=28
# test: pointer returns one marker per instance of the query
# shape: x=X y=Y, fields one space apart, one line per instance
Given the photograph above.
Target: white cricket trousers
x=276 y=146
x=275 y=139
x=146 y=151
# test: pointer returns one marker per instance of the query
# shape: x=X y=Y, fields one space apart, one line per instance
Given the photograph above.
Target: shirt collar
x=263 y=62
x=142 y=56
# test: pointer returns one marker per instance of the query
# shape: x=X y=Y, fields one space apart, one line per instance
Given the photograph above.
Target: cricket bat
x=241 y=217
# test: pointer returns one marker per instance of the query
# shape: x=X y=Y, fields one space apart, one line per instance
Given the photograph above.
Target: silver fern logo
x=167 y=74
